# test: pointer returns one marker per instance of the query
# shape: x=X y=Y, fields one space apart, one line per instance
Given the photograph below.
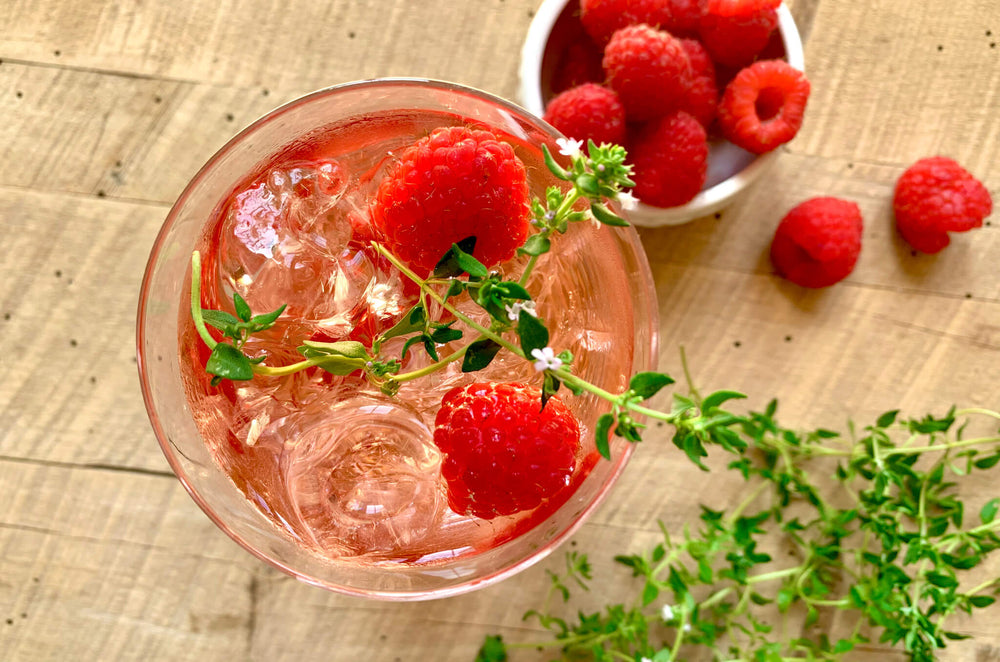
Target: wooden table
x=108 y=108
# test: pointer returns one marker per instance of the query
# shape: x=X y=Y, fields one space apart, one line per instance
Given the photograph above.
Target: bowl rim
x=534 y=555
x=708 y=200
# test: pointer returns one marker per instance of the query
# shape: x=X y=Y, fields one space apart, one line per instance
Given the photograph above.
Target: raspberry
x=936 y=196
x=451 y=184
x=503 y=453
x=580 y=63
x=735 y=41
x=588 y=111
x=670 y=156
x=775 y=49
x=739 y=7
x=818 y=242
x=601 y=18
x=702 y=98
x=685 y=17
x=649 y=69
x=763 y=106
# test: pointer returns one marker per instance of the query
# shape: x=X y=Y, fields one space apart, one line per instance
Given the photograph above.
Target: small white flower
x=569 y=147
x=628 y=201
x=546 y=359
x=687 y=627
x=645 y=659
x=514 y=309
x=667 y=613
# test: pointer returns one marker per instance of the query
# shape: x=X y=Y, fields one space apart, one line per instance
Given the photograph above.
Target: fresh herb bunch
x=877 y=530
x=593 y=178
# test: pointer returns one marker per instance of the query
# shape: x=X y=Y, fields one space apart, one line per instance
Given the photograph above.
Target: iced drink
x=345 y=475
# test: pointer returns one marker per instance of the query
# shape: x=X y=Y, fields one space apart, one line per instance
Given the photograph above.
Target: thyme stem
x=199 y=320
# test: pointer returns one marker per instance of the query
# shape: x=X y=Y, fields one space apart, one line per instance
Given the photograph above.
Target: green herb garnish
x=887 y=544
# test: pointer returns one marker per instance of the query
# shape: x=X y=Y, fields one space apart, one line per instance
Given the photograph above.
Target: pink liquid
x=343 y=469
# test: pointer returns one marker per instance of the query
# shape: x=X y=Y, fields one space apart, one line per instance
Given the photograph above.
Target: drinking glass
x=163 y=312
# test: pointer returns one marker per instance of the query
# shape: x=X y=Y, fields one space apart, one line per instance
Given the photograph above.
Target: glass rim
x=534 y=556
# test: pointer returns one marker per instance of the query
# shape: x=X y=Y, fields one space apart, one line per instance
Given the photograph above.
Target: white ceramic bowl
x=731 y=170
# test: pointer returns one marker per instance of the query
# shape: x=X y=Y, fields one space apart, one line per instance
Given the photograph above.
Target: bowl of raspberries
x=700 y=92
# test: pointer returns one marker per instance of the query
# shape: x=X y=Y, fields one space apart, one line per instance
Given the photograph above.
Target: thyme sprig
x=897 y=559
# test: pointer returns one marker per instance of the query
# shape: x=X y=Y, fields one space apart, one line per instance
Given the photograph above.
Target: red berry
x=685 y=17
x=503 y=453
x=739 y=7
x=588 y=111
x=775 y=49
x=454 y=183
x=702 y=99
x=649 y=69
x=735 y=41
x=699 y=57
x=580 y=63
x=601 y=18
x=670 y=156
x=936 y=196
x=763 y=106
x=818 y=242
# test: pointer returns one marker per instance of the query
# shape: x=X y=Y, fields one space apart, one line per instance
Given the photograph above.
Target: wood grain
x=108 y=110
x=72 y=275
x=296 y=48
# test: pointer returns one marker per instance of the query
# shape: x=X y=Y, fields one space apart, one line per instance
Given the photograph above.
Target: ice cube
x=286 y=240
x=363 y=475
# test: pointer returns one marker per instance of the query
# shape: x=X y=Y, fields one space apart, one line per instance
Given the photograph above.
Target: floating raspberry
x=818 y=242
x=588 y=111
x=601 y=18
x=702 y=99
x=763 y=106
x=735 y=41
x=454 y=183
x=739 y=7
x=649 y=69
x=670 y=156
x=936 y=196
x=503 y=453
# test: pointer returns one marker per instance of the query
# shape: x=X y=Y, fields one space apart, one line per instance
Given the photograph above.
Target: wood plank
x=72 y=598
x=121 y=565
x=896 y=81
x=848 y=352
x=350 y=629
x=102 y=505
x=72 y=274
x=301 y=47
x=106 y=135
